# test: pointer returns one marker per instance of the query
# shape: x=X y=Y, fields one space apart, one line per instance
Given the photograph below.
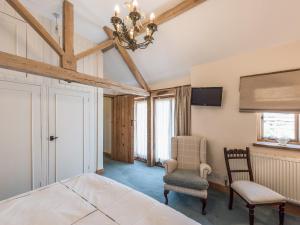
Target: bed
x=88 y=199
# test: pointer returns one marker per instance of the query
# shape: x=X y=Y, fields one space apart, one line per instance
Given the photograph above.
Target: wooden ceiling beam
x=68 y=60
x=34 y=23
x=21 y=64
x=103 y=46
x=175 y=11
x=128 y=60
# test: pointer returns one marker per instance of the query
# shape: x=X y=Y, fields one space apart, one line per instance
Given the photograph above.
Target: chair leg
x=204 y=203
x=281 y=213
x=230 y=199
x=251 y=214
x=166 y=192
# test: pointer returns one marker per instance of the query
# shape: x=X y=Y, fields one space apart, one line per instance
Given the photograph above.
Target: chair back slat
x=238 y=155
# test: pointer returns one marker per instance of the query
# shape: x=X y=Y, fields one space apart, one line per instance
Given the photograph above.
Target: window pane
x=164 y=128
x=278 y=125
x=140 y=130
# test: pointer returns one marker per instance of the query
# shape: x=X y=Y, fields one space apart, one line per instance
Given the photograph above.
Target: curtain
x=140 y=130
x=164 y=128
x=183 y=111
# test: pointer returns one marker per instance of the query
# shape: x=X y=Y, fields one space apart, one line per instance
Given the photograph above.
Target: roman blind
x=278 y=91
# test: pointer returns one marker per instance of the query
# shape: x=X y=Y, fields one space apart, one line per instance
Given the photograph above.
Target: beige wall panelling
x=7 y=9
x=20 y=142
x=13 y=40
x=19 y=38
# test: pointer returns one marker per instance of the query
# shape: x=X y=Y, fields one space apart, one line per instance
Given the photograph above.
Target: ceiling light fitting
x=127 y=29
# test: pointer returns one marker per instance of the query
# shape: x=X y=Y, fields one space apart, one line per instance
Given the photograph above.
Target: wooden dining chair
x=252 y=193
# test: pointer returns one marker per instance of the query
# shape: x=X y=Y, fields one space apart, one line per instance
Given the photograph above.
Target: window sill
x=277 y=145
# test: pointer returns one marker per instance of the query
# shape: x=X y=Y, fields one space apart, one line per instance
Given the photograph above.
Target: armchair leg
x=230 y=199
x=166 y=192
x=251 y=214
x=281 y=214
x=204 y=203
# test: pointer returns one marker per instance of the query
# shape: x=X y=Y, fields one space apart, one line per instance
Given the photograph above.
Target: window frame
x=260 y=137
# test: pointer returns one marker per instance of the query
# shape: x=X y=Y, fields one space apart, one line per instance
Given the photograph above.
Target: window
x=279 y=125
x=140 y=130
x=164 y=128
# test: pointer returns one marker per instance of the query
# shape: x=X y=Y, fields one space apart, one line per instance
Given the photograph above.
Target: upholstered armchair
x=186 y=171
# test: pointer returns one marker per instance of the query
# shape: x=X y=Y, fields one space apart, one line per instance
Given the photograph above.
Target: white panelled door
x=68 y=133
x=20 y=138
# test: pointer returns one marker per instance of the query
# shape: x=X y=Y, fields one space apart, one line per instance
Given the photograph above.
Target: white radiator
x=278 y=173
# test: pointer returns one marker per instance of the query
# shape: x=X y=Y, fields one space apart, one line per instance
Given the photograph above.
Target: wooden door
x=68 y=133
x=122 y=141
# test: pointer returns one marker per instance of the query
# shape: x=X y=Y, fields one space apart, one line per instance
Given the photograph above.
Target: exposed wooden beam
x=128 y=60
x=105 y=45
x=68 y=59
x=174 y=11
x=27 y=16
x=21 y=64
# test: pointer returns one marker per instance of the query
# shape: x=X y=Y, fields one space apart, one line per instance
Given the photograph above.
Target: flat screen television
x=207 y=96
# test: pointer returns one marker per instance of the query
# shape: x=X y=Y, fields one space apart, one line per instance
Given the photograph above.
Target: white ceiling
x=208 y=32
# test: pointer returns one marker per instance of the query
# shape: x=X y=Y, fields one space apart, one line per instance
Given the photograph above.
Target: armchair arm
x=205 y=169
x=170 y=165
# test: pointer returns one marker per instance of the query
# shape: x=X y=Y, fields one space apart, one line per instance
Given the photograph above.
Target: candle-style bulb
x=148 y=32
x=117 y=10
x=152 y=17
x=131 y=33
x=135 y=5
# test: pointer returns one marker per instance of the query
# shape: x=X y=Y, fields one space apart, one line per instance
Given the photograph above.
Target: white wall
x=17 y=37
x=179 y=81
x=226 y=126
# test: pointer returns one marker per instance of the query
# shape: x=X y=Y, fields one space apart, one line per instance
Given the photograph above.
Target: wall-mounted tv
x=207 y=96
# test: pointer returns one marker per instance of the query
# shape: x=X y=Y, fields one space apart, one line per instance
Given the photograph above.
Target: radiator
x=278 y=173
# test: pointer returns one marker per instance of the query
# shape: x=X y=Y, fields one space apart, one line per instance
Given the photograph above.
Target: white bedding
x=88 y=200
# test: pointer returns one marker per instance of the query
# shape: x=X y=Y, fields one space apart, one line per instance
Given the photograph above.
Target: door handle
x=52 y=138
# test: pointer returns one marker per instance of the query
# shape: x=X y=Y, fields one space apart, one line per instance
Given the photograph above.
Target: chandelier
x=127 y=30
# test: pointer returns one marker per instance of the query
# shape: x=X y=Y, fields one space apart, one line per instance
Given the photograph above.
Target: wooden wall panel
x=122 y=140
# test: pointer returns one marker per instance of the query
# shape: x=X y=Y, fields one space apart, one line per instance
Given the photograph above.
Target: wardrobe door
x=20 y=138
x=68 y=133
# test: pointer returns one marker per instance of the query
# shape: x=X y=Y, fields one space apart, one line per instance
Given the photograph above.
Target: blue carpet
x=149 y=181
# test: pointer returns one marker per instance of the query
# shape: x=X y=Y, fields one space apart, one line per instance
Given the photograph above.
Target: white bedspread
x=88 y=200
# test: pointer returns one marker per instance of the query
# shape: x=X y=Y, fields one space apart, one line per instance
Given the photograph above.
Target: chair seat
x=256 y=194
x=187 y=179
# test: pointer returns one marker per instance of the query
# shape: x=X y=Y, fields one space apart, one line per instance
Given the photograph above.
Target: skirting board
x=107 y=155
x=100 y=172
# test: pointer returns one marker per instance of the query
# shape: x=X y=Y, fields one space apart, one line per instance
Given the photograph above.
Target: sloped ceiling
x=208 y=32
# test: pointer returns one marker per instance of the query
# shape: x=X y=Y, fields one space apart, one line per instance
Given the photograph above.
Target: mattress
x=88 y=199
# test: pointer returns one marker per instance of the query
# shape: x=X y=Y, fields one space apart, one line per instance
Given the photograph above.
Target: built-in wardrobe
x=49 y=129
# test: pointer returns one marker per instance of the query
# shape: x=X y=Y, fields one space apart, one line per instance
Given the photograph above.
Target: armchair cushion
x=186 y=179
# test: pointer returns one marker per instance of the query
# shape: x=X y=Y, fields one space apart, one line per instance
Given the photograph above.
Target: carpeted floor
x=149 y=181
